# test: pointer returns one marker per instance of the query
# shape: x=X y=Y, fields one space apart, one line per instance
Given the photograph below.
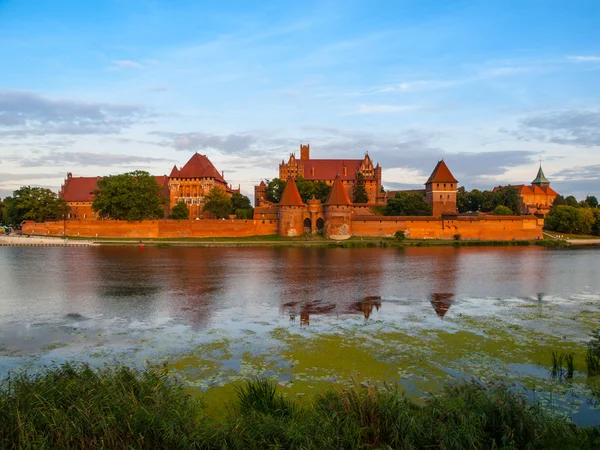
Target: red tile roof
x=81 y=189
x=327 y=169
x=199 y=166
x=338 y=194
x=441 y=174
x=174 y=172
x=291 y=196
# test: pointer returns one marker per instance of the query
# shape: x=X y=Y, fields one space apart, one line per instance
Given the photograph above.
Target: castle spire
x=290 y=195
x=540 y=179
x=338 y=195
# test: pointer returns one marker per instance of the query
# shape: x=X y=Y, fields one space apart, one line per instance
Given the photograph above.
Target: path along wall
x=148 y=229
x=469 y=227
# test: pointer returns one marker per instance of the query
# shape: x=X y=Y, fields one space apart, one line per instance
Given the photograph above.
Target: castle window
x=438 y=185
x=444 y=184
x=448 y=197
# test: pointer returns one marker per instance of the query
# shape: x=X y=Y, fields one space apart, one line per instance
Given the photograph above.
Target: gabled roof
x=327 y=169
x=540 y=178
x=290 y=195
x=338 y=195
x=174 y=172
x=199 y=166
x=441 y=174
x=81 y=189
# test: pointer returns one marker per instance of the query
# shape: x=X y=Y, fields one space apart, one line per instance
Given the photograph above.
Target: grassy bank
x=77 y=407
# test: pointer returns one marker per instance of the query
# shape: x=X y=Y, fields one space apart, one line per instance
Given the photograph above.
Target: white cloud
x=386 y=109
x=584 y=59
x=126 y=64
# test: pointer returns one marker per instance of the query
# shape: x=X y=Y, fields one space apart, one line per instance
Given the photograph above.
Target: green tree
x=462 y=200
x=180 y=212
x=502 y=210
x=587 y=220
x=564 y=219
x=596 y=226
x=129 y=196
x=218 y=203
x=33 y=203
x=508 y=196
x=405 y=204
x=241 y=206
x=275 y=188
x=571 y=201
x=359 y=191
x=559 y=200
x=488 y=201
x=312 y=189
x=591 y=201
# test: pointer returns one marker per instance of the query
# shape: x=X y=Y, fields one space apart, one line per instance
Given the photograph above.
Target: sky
x=111 y=86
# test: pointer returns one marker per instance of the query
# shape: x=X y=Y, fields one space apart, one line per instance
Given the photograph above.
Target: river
x=308 y=317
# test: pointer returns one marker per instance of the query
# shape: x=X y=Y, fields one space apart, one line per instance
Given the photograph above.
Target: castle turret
x=338 y=212
x=541 y=179
x=260 y=193
x=304 y=152
x=291 y=211
x=440 y=190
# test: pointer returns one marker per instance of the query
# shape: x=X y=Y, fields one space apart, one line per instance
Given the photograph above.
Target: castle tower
x=440 y=190
x=291 y=211
x=260 y=192
x=338 y=212
x=541 y=179
x=304 y=152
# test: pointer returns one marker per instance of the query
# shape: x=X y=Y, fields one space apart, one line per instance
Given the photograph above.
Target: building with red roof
x=538 y=197
x=440 y=190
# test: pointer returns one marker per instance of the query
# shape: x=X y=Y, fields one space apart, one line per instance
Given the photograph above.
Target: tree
x=405 y=204
x=312 y=189
x=559 y=200
x=508 y=196
x=564 y=219
x=218 y=203
x=275 y=188
x=587 y=220
x=33 y=203
x=462 y=200
x=359 y=191
x=180 y=212
x=596 y=226
x=591 y=201
x=502 y=210
x=241 y=206
x=129 y=196
x=571 y=201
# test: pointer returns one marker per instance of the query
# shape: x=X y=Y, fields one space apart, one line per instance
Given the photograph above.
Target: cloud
x=570 y=127
x=28 y=176
x=72 y=159
x=25 y=113
x=386 y=109
x=579 y=173
x=584 y=59
x=125 y=64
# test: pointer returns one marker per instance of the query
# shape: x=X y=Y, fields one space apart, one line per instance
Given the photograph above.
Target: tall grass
x=76 y=407
x=563 y=366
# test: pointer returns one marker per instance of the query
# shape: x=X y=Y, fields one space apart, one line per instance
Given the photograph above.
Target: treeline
x=504 y=201
x=574 y=217
x=32 y=203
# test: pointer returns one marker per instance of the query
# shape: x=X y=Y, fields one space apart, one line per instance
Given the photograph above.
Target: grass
x=563 y=366
x=77 y=407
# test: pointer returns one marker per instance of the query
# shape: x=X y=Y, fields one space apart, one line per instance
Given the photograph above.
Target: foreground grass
x=77 y=407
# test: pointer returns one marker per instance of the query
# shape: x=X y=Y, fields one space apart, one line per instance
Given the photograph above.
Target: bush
x=457 y=237
x=400 y=235
x=502 y=210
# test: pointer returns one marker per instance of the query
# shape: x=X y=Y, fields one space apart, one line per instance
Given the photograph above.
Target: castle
x=336 y=218
x=190 y=184
x=538 y=197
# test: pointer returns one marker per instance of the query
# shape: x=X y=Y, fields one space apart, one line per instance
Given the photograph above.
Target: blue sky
x=110 y=86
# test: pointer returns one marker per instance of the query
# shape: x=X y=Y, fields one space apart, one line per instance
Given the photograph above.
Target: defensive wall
x=149 y=229
x=469 y=227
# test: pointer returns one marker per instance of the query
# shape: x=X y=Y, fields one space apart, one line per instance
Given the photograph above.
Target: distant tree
x=571 y=201
x=488 y=201
x=241 y=206
x=559 y=200
x=587 y=221
x=359 y=191
x=591 y=201
x=564 y=219
x=309 y=189
x=2 y=209
x=596 y=226
x=405 y=204
x=275 y=188
x=218 y=203
x=502 y=210
x=180 y=212
x=33 y=203
x=508 y=196
x=129 y=196
x=463 y=203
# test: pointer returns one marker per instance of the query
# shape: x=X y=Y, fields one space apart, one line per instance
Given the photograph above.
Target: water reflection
x=441 y=303
x=318 y=307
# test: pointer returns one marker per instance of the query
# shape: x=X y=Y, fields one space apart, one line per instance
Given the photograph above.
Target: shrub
x=457 y=237
x=400 y=235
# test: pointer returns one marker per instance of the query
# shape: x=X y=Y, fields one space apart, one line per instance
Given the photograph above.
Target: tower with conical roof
x=291 y=211
x=338 y=212
x=440 y=190
x=540 y=179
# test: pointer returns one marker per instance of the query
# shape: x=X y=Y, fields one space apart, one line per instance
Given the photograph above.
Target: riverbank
x=279 y=241
x=117 y=407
